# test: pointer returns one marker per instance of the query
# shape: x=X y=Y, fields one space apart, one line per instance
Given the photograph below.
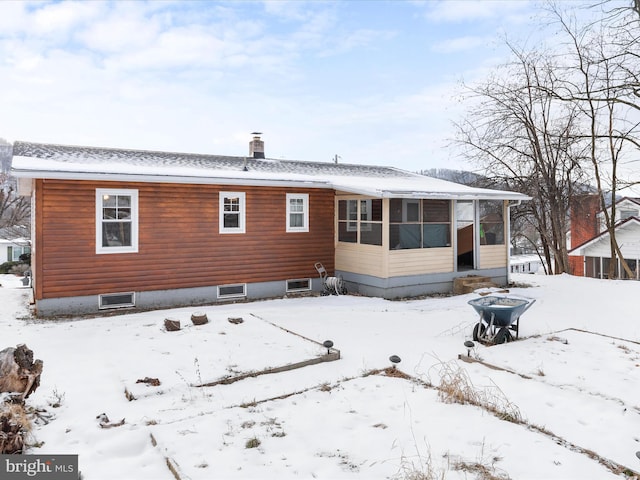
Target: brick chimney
x=584 y=226
x=256 y=146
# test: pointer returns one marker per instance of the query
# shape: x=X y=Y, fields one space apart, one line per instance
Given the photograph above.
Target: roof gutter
x=130 y=177
x=511 y=196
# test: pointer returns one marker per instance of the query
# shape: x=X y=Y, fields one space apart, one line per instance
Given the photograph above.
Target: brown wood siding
x=179 y=241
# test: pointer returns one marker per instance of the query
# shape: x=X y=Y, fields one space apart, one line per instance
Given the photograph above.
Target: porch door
x=465 y=215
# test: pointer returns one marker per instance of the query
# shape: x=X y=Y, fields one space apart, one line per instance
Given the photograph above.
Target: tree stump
x=199 y=318
x=19 y=377
x=18 y=372
x=171 y=324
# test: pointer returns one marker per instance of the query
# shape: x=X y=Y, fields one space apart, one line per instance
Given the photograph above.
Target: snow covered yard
x=576 y=392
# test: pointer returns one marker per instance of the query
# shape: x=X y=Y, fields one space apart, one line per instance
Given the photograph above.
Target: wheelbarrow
x=499 y=316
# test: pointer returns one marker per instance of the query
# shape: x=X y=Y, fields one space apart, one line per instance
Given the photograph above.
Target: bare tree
x=601 y=79
x=14 y=210
x=527 y=140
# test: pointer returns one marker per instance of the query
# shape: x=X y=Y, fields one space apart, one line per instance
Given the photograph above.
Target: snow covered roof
x=37 y=160
x=627 y=223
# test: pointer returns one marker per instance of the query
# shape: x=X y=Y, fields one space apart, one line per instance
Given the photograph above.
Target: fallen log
x=18 y=371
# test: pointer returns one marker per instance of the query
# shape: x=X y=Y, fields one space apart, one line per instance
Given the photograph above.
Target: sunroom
x=596 y=253
x=402 y=247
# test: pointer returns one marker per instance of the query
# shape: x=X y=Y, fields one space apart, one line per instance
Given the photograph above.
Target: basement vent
x=299 y=285
x=232 y=291
x=117 y=300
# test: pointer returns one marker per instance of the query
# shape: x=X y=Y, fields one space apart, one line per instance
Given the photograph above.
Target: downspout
x=509 y=205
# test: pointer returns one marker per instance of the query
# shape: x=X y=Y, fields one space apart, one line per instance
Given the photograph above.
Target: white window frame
x=17 y=251
x=364 y=216
x=352 y=215
x=241 y=212
x=100 y=194
x=101 y=297
x=222 y=296
x=627 y=213
x=290 y=289
x=405 y=210
x=305 y=212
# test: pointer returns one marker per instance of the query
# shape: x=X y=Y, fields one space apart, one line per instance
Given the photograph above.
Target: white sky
x=373 y=82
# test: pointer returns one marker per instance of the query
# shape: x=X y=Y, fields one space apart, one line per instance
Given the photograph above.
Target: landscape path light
x=395 y=359
x=328 y=344
x=469 y=344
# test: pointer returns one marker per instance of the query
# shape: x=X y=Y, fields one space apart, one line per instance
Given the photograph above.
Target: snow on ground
x=573 y=378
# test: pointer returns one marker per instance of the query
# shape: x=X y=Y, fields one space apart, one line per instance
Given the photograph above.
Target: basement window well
x=232 y=291
x=298 y=285
x=116 y=300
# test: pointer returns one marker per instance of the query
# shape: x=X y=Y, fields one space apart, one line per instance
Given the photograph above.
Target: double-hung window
x=116 y=220
x=232 y=212
x=297 y=212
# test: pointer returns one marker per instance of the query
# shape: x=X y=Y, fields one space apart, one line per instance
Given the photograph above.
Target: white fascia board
x=24 y=167
x=432 y=195
x=458 y=196
x=582 y=250
x=124 y=177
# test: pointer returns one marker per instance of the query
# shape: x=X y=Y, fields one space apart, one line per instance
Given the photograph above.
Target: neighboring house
x=525 y=264
x=590 y=253
x=14 y=242
x=115 y=228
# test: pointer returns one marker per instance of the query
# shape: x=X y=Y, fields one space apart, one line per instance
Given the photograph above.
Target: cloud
x=460 y=44
x=64 y=17
x=119 y=31
x=319 y=78
x=472 y=10
x=293 y=10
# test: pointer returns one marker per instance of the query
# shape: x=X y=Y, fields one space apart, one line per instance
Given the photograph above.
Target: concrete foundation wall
x=413 y=285
x=86 y=305
x=371 y=286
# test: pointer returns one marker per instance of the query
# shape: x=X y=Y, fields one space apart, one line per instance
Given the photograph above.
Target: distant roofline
x=601 y=235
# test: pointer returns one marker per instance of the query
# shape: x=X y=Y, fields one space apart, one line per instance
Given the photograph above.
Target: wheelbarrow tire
x=503 y=336
x=478 y=331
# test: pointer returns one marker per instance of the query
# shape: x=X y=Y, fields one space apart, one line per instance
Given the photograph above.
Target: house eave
x=265 y=182
x=147 y=178
x=432 y=195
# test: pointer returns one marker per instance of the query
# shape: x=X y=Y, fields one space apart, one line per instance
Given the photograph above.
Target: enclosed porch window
x=360 y=221
x=598 y=267
x=491 y=222
x=416 y=223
